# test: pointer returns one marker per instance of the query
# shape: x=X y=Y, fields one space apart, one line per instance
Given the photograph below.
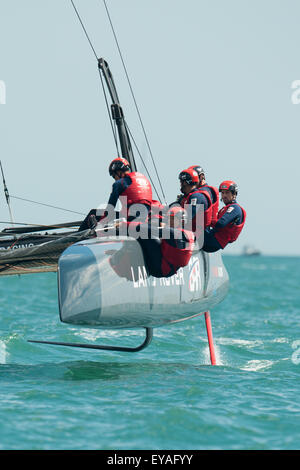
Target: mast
x=117 y=114
x=6 y=194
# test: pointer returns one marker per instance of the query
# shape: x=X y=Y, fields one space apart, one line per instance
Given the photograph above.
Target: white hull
x=103 y=283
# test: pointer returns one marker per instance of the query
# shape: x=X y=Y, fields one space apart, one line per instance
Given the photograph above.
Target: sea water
x=167 y=396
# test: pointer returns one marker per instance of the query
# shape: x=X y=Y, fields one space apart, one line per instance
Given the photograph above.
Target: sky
x=213 y=80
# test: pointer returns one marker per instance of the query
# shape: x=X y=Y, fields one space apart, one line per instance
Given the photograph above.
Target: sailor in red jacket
x=176 y=252
x=231 y=220
x=131 y=187
x=197 y=199
x=166 y=248
x=214 y=194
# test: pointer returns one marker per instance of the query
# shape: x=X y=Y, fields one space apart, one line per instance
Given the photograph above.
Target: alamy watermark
x=136 y=221
x=2 y=92
x=295 y=97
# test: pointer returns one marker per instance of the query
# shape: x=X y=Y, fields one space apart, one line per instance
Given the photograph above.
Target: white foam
x=256 y=365
x=240 y=342
x=90 y=334
x=219 y=359
x=3 y=353
x=280 y=340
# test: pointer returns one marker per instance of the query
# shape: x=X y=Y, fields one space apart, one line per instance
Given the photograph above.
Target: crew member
x=231 y=220
x=192 y=195
x=214 y=194
x=132 y=185
x=168 y=247
x=176 y=251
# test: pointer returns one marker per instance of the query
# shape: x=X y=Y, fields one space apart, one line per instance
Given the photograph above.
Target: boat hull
x=103 y=283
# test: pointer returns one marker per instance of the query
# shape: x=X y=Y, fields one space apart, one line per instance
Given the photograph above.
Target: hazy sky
x=213 y=81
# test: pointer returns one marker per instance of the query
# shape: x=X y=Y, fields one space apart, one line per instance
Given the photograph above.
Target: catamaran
x=103 y=281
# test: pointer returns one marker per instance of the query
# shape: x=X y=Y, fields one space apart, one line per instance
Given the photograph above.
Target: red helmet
x=229 y=186
x=197 y=168
x=189 y=175
x=118 y=164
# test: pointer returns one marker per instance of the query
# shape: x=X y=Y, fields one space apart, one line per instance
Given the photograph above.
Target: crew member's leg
x=152 y=254
x=210 y=244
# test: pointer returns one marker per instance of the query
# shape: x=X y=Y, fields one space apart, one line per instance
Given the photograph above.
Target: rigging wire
x=133 y=96
x=48 y=205
x=85 y=31
x=142 y=160
x=134 y=99
x=8 y=196
x=95 y=54
x=30 y=225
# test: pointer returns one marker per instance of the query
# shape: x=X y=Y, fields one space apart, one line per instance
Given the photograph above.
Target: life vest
x=215 y=203
x=207 y=212
x=230 y=232
x=173 y=257
x=156 y=211
x=138 y=192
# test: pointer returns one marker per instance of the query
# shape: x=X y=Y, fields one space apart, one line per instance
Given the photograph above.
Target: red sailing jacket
x=215 y=203
x=230 y=232
x=207 y=212
x=174 y=258
x=139 y=192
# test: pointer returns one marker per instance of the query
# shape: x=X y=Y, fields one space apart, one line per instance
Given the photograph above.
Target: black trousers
x=210 y=244
x=151 y=248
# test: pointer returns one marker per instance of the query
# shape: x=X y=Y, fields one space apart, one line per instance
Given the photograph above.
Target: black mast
x=6 y=194
x=117 y=114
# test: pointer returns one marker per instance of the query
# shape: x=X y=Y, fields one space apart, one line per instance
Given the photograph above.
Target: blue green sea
x=167 y=396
